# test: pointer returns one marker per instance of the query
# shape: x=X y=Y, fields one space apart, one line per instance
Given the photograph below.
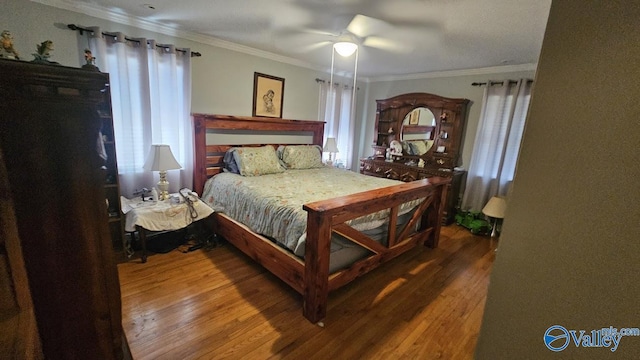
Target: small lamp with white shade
x=495 y=209
x=331 y=147
x=161 y=159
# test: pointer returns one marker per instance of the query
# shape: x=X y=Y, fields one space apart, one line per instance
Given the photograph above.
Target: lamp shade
x=495 y=207
x=330 y=145
x=160 y=158
x=345 y=48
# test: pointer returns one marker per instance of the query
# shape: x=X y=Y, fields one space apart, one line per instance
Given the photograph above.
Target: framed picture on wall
x=414 y=117
x=268 y=95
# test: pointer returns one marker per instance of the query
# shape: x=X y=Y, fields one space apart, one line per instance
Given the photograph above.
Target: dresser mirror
x=419 y=124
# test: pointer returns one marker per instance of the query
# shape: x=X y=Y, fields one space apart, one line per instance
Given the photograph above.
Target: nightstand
x=167 y=215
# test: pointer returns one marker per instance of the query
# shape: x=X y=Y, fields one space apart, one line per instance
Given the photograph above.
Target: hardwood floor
x=218 y=304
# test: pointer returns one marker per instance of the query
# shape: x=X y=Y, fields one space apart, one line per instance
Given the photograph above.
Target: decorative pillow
x=419 y=147
x=302 y=156
x=429 y=144
x=230 y=162
x=256 y=161
x=406 y=148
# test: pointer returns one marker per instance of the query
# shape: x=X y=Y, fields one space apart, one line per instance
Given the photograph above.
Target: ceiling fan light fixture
x=345 y=48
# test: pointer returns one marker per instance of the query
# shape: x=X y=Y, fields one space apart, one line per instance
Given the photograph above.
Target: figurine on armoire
x=43 y=52
x=8 y=51
x=90 y=61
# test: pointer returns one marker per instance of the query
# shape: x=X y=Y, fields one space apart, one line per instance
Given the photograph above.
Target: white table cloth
x=162 y=215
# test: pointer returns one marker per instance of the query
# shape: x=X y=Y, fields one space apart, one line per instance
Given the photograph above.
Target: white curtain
x=151 y=104
x=335 y=108
x=497 y=143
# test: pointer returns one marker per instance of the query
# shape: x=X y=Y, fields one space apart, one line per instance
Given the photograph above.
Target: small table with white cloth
x=175 y=213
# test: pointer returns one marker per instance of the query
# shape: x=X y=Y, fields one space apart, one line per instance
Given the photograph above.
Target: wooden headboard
x=208 y=158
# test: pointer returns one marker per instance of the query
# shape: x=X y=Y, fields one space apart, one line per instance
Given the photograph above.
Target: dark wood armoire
x=60 y=295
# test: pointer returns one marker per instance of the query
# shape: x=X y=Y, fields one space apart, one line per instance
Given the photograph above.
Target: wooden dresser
x=415 y=118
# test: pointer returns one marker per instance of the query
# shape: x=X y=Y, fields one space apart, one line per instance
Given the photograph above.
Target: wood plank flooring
x=218 y=304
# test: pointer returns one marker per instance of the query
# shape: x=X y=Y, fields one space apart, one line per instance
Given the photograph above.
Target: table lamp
x=161 y=159
x=495 y=210
x=330 y=147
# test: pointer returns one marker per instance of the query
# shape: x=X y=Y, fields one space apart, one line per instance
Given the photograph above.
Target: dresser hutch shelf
x=400 y=118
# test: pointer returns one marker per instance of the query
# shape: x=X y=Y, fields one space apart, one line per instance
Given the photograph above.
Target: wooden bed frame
x=310 y=277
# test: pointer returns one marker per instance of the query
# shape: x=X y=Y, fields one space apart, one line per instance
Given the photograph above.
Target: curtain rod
x=318 y=80
x=81 y=30
x=491 y=83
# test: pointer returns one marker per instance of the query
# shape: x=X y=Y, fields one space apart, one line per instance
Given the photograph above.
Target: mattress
x=271 y=204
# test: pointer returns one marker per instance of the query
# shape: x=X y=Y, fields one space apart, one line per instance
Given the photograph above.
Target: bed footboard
x=325 y=217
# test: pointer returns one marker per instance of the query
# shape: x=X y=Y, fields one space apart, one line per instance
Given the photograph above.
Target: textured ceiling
x=397 y=37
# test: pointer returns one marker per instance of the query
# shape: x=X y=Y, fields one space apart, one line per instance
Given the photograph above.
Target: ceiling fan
x=362 y=30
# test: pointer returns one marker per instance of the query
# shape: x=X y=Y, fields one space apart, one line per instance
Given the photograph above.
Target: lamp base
x=330 y=161
x=494 y=228
x=163 y=186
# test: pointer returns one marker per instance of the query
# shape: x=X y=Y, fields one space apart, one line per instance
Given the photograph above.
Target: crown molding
x=109 y=15
x=454 y=73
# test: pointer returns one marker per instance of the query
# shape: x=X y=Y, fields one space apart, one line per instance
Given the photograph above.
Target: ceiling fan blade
x=311 y=47
x=301 y=42
x=319 y=32
x=388 y=44
x=363 y=26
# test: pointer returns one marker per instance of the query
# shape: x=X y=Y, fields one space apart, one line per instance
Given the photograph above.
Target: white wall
x=32 y=24
x=569 y=253
x=223 y=84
